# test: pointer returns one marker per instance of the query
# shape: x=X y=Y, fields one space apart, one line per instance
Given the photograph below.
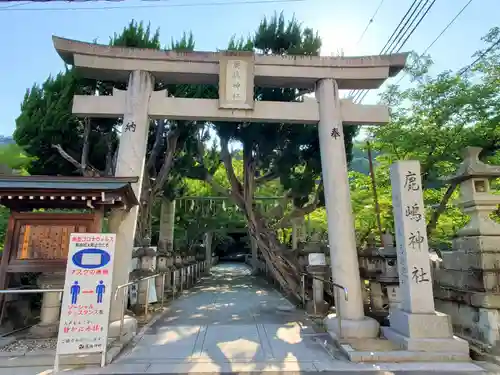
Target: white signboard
x=83 y=327
x=317 y=259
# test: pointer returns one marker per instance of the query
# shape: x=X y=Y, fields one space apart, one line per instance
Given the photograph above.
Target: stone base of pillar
x=51 y=305
x=44 y=331
x=128 y=330
x=454 y=345
x=320 y=310
x=359 y=329
x=424 y=333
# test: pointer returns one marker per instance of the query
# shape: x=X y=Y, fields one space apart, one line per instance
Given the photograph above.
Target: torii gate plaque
x=238 y=73
x=236 y=80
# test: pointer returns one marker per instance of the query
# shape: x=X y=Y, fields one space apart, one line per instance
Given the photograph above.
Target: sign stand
x=86 y=302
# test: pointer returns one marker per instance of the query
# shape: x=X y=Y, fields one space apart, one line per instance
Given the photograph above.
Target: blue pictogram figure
x=99 y=290
x=74 y=291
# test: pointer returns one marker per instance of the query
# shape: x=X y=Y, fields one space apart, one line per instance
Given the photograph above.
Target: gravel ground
x=30 y=345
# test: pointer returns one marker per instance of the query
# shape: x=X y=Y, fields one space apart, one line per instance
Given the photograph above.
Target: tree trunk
x=282 y=262
x=144 y=217
x=440 y=209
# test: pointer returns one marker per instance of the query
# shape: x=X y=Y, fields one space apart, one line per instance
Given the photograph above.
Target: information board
x=83 y=326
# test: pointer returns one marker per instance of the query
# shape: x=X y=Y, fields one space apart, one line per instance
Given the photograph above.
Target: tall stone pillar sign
x=411 y=238
x=416 y=326
x=83 y=327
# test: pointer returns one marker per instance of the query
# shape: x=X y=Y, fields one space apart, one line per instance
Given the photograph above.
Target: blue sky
x=29 y=57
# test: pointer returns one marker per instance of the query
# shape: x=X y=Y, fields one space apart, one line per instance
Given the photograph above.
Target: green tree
x=435 y=120
x=13 y=159
x=66 y=145
x=289 y=153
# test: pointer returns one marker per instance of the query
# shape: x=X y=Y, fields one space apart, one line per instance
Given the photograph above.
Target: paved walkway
x=234 y=322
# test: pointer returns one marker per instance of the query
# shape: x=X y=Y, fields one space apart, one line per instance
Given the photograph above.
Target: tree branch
x=440 y=209
x=207 y=176
x=88 y=171
x=279 y=209
x=160 y=130
x=109 y=169
x=248 y=178
x=165 y=169
x=269 y=176
x=209 y=179
x=301 y=212
x=236 y=187
x=86 y=144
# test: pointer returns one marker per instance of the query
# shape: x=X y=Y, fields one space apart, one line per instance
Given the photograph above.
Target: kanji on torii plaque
x=236 y=80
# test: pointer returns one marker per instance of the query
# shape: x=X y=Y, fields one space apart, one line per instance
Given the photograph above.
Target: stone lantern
x=476 y=199
x=379 y=265
x=466 y=282
x=313 y=246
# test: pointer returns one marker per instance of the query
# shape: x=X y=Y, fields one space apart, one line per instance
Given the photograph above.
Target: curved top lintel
x=67 y=48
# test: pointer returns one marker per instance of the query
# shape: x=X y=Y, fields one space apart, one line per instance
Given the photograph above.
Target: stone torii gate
x=237 y=73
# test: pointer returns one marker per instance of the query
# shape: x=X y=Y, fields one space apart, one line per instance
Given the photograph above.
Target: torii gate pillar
x=130 y=162
x=341 y=237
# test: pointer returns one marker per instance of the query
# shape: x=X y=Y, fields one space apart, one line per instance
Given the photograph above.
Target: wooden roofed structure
x=37 y=240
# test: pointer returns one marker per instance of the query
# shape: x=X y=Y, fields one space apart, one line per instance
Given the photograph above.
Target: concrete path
x=233 y=322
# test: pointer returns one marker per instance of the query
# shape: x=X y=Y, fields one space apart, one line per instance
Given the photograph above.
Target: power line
x=54 y=1
x=440 y=34
x=179 y=5
x=422 y=12
x=402 y=31
x=479 y=58
x=416 y=26
x=19 y=4
x=370 y=21
x=447 y=27
x=352 y=92
x=396 y=45
x=15 y=5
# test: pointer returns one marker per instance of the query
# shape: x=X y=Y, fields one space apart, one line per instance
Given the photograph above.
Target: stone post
x=51 y=305
x=147 y=267
x=318 y=269
x=178 y=272
x=208 y=248
x=167 y=223
x=171 y=269
x=341 y=237
x=162 y=265
x=416 y=326
x=130 y=163
x=191 y=271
